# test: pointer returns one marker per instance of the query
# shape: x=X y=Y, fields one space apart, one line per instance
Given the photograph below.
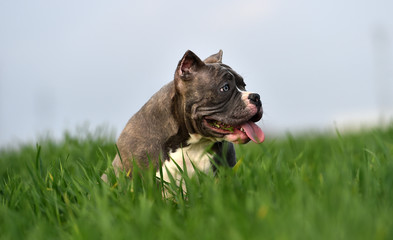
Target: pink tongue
x=253 y=132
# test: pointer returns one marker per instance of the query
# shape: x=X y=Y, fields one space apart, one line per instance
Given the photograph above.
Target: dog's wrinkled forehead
x=220 y=71
x=193 y=73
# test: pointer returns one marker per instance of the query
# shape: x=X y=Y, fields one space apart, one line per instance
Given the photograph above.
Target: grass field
x=315 y=186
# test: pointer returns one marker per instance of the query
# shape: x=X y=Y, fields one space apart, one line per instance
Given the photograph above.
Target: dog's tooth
x=241 y=129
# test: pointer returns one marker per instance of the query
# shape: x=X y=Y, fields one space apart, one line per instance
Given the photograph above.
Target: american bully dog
x=194 y=119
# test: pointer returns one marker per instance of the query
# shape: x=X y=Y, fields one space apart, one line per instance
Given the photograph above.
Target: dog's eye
x=225 y=88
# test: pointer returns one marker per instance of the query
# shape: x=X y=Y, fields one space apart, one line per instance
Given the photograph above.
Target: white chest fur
x=194 y=155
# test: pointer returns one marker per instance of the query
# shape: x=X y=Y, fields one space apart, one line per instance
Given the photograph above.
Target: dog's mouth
x=240 y=133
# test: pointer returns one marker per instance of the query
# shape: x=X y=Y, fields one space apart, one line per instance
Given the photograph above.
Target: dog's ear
x=189 y=64
x=215 y=58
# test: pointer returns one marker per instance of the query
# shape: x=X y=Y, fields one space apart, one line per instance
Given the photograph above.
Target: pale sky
x=314 y=63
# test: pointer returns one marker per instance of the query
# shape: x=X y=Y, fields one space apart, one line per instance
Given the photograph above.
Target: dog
x=192 y=120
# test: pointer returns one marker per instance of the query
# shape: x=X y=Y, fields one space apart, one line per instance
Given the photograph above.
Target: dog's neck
x=184 y=129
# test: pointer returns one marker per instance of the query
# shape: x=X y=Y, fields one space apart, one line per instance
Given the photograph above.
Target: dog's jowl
x=195 y=118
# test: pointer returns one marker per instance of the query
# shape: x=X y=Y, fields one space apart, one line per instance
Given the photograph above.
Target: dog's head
x=215 y=101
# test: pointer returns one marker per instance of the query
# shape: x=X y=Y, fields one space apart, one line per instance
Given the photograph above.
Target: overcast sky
x=314 y=63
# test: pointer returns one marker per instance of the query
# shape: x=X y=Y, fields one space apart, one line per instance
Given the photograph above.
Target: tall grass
x=317 y=186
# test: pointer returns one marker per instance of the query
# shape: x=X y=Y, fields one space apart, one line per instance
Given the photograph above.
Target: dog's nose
x=255 y=99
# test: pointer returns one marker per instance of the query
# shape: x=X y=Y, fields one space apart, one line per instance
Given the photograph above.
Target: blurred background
x=318 y=65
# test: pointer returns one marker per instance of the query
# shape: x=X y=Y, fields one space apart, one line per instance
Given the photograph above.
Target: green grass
x=316 y=186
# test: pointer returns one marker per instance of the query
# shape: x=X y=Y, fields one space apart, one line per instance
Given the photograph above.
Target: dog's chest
x=188 y=158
